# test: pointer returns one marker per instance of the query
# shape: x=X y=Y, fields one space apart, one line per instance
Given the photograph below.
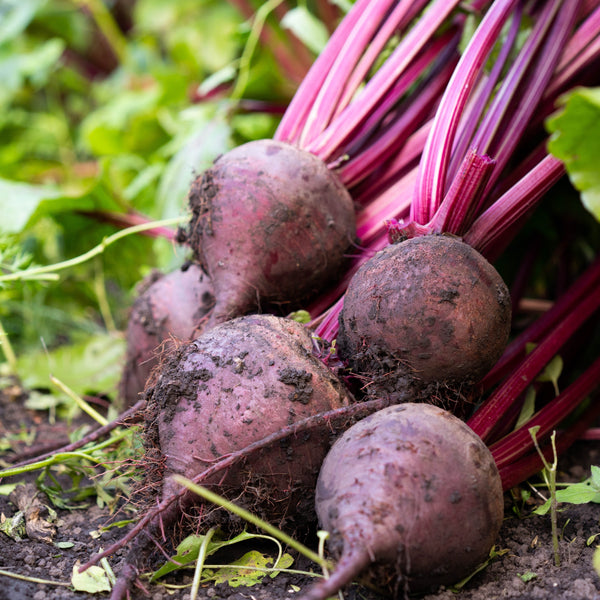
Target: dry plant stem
x=89 y=438
x=322 y=419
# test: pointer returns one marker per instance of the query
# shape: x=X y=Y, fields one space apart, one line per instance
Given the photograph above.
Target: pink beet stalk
x=548 y=418
x=488 y=418
x=436 y=156
x=587 y=284
x=296 y=116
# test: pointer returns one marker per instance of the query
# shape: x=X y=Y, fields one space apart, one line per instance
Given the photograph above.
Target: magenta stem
x=521 y=469
x=364 y=154
x=496 y=226
x=582 y=47
x=519 y=442
x=587 y=284
x=476 y=106
x=124 y=220
x=546 y=41
x=417 y=38
x=398 y=19
x=488 y=418
x=294 y=119
x=457 y=210
x=328 y=97
x=436 y=155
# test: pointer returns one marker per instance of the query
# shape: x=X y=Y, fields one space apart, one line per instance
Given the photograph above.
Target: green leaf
x=237 y=574
x=93 y=365
x=126 y=124
x=15 y=15
x=595 y=477
x=7 y=488
x=552 y=372
x=307 y=28
x=575 y=140
x=575 y=493
x=206 y=136
x=596 y=560
x=93 y=580
x=528 y=408
x=285 y=562
x=187 y=551
x=20 y=201
x=35 y=66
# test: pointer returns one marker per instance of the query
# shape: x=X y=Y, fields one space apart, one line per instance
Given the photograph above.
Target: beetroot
x=168 y=308
x=236 y=384
x=424 y=313
x=270 y=224
x=412 y=493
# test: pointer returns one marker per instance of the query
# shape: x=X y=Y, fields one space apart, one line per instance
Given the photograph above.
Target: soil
x=523 y=568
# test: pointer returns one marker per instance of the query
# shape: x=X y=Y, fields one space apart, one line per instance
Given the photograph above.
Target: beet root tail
x=348 y=567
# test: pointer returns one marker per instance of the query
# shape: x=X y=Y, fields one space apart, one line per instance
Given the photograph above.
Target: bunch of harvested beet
x=270 y=224
x=168 y=308
x=423 y=313
x=411 y=493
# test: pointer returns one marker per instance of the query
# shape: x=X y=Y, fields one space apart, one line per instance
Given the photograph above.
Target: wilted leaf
x=93 y=580
x=13 y=527
x=38 y=516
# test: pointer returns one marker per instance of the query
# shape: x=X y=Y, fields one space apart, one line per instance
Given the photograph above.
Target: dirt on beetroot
x=523 y=568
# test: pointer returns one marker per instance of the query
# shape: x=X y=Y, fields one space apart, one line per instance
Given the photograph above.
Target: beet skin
x=424 y=313
x=270 y=224
x=234 y=385
x=412 y=493
x=168 y=308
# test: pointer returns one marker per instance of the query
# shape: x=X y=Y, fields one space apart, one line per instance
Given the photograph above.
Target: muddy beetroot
x=422 y=313
x=270 y=223
x=412 y=492
x=168 y=308
x=236 y=384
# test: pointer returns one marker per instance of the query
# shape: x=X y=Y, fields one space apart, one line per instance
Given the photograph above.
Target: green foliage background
x=97 y=114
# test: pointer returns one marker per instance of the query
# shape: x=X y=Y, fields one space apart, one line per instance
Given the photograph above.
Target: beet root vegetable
x=168 y=308
x=412 y=491
x=270 y=224
x=424 y=312
x=234 y=385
